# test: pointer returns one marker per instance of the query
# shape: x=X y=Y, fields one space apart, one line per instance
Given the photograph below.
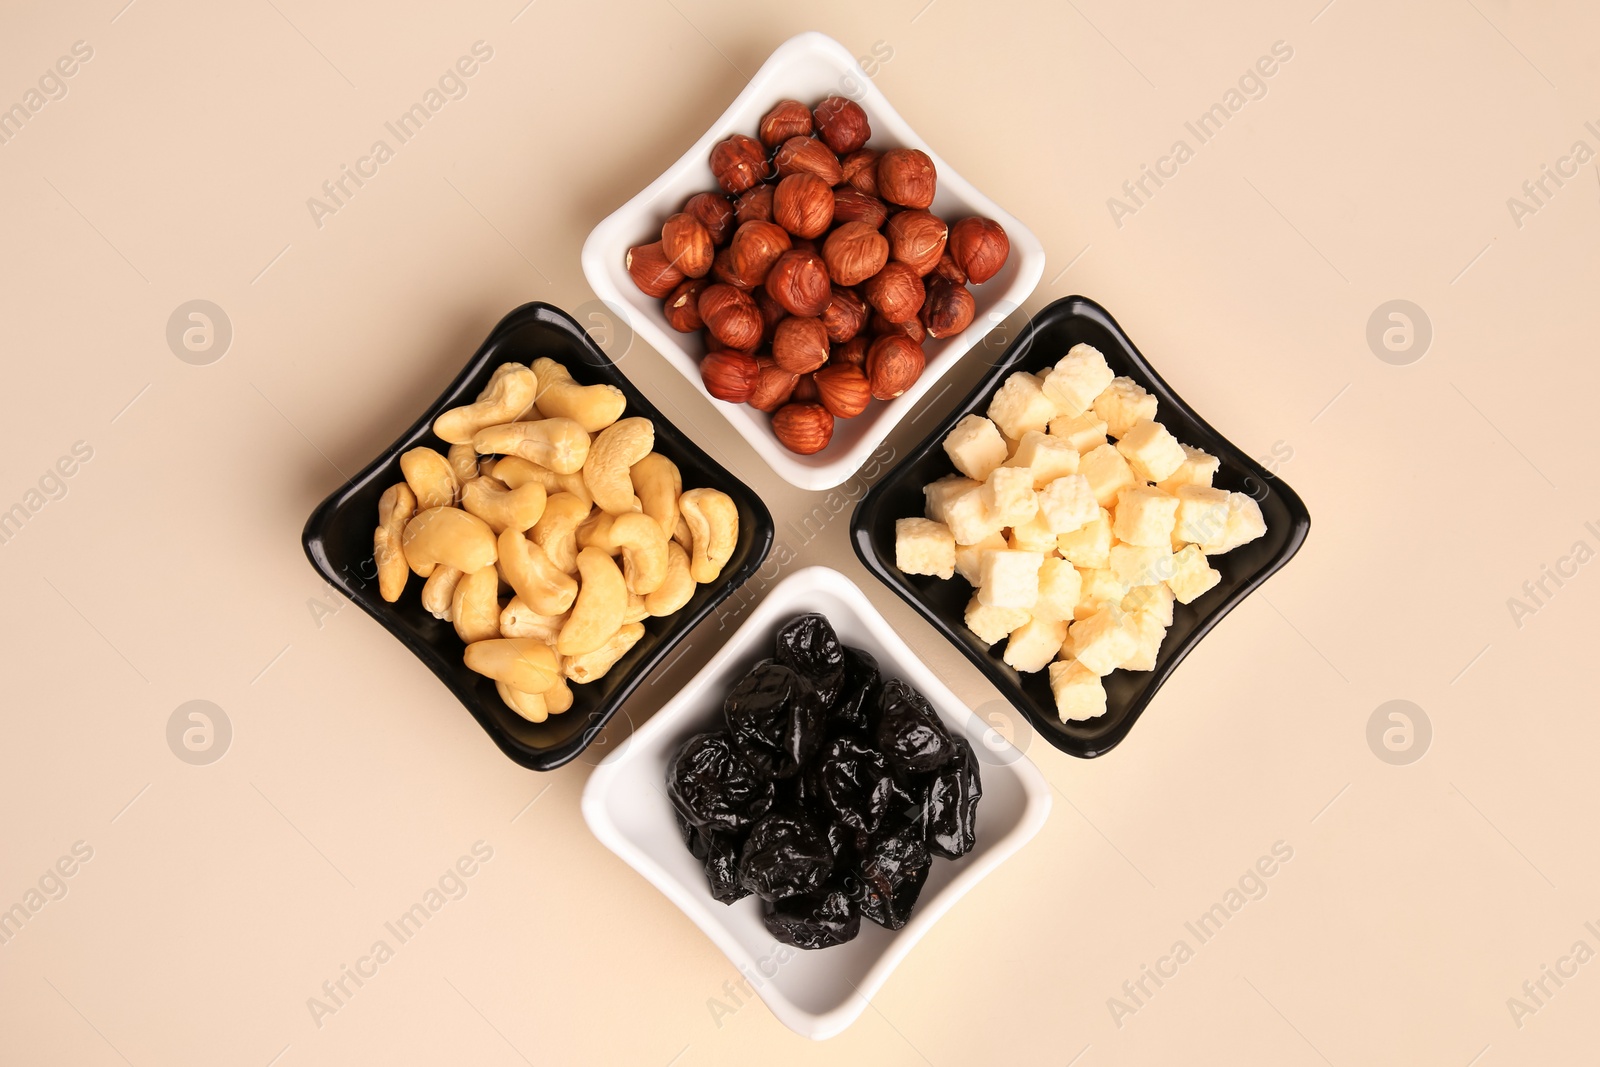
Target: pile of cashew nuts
x=549 y=496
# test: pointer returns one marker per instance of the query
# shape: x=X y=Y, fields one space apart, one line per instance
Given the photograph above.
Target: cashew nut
x=556 y=530
x=463 y=460
x=439 y=591
x=592 y=665
x=593 y=406
x=713 y=520
x=560 y=444
x=644 y=550
x=602 y=601
x=510 y=392
x=431 y=477
x=558 y=697
x=678 y=586
x=658 y=484
x=595 y=532
x=395 y=508
x=517 y=472
x=503 y=509
x=521 y=662
x=530 y=706
x=541 y=584
x=637 y=611
x=614 y=451
x=519 y=620
x=475 y=608
x=447 y=536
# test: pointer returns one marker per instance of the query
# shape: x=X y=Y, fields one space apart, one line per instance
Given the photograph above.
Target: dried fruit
x=651 y=270
x=819 y=921
x=682 y=306
x=950 y=809
x=687 y=244
x=785 y=855
x=853 y=205
x=980 y=247
x=895 y=292
x=788 y=118
x=842 y=124
x=843 y=389
x=854 y=252
x=774 y=387
x=807 y=155
x=891 y=877
x=909 y=732
x=948 y=309
x=754 y=205
x=906 y=177
x=731 y=316
x=714 y=213
x=803 y=205
x=844 y=316
x=799 y=281
x=799 y=345
x=894 y=363
x=712 y=785
x=775 y=719
x=808 y=645
x=803 y=428
x=756 y=246
x=730 y=376
x=739 y=162
x=917 y=239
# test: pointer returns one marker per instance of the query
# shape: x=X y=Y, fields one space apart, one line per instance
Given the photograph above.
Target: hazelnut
x=756 y=246
x=788 y=118
x=805 y=390
x=853 y=351
x=917 y=238
x=948 y=309
x=895 y=292
x=844 y=316
x=861 y=171
x=906 y=177
x=730 y=376
x=731 y=316
x=714 y=213
x=805 y=244
x=805 y=428
x=980 y=247
x=682 y=306
x=754 y=205
x=687 y=244
x=739 y=163
x=799 y=345
x=803 y=205
x=807 y=155
x=799 y=281
x=842 y=124
x=652 y=270
x=843 y=389
x=854 y=252
x=950 y=270
x=853 y=205
x=722 y=270
x=772 y=312
x=911 y=328
x=894 y=363
x=774 y=387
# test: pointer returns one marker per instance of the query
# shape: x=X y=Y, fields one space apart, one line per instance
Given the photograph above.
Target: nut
x=804 y=429
x=594 y=665
x=774 y=387
x=430 y=477
x=678 y=586
x=652 y=270
x=616 y=449
x=854 y=252
x=805 y=390
x=842 y=124
x=506 y=397
x=843 y=390
x=559 y=444
x=799 y=281
x=895 y=292
x=739 y=163
x=853 y=205
x=894 y=363
x=594 y=407
x=474 y=608
x=755 y=247
x=861 y=171
x=800 y=346
x=523 y=663
x=730 y=376
x=658 y=483
x=714 y=213
x=772 y=312
x=713 y=521
x=852 y=352
x=911 y=328
x=395 y=508
x=537 y=578
x=980 y=247
x=844 y=316
x=807 y=155
x=447 y=537
x=722 y=270
x=788 y=118
x=917 y=239
x=754 y=205
x=906 y=177
x=643 y=544
x=602 y=600
x=503 y=508
x=556 y=533
x=948 y=309
x=731 y=316
x=803 y=205
x=949 y=269
x=682 y=306
x=687 y=244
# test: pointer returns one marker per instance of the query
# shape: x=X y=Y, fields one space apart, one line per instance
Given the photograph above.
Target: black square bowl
x=898 y=494
x=338 y=540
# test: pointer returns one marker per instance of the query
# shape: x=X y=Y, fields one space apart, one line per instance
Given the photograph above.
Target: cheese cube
x=1197 y=468
x=1122 y=404
x=1068 y=504
x=1090 y=545
x=1102 y=641
x=975 y=446
x=1082 y=375
x=1192 y=576
x=1010 y=578
x=1148 y=632
x=1019 y=405
x=1108 y=473
x=993 y=624
x=1060 y=585
x=1034 y=644
x=1078 y=691
x=1153 y=600
x=937 y=495
x=1136 y=565
x=1145 y=516
x=1083 y=432
x=1047 y=457
x=969 y=557
x=922 y=546
x=1202 y=514
x=1151 y=450
x=1098 y=589
x=1244 y=525
x=1008 y=495
x=1034 y=535
x=968 y=518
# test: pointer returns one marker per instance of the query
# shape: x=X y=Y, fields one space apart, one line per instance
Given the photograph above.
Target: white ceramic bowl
x=806 y=68
x=815 y=993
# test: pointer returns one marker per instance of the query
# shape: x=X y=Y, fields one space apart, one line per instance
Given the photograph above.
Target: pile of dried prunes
x=827 y=793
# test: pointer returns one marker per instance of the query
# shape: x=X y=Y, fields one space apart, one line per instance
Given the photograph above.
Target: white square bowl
x=806 y=68
x=815 y=993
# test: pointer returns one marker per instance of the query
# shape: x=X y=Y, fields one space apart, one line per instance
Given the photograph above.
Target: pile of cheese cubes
x=1076 y=546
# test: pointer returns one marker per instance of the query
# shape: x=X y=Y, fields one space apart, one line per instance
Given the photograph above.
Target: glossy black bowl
x=942 y=602
x=338 y=540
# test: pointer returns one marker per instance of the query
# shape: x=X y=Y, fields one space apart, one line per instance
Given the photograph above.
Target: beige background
x=219 y=898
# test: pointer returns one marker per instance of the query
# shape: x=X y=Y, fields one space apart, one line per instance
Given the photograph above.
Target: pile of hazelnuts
x=821 y=272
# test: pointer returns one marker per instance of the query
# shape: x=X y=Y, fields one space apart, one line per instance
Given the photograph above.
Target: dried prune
x=860 y=691
x=854 y=782
x=890 y=878
x=711 y=784
x=776 y=719
x=817 y=921
x=785 y=855
x=808 y=646
x=950 y=810
x=908 y=731
x=846 y=843
x=722 y=867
